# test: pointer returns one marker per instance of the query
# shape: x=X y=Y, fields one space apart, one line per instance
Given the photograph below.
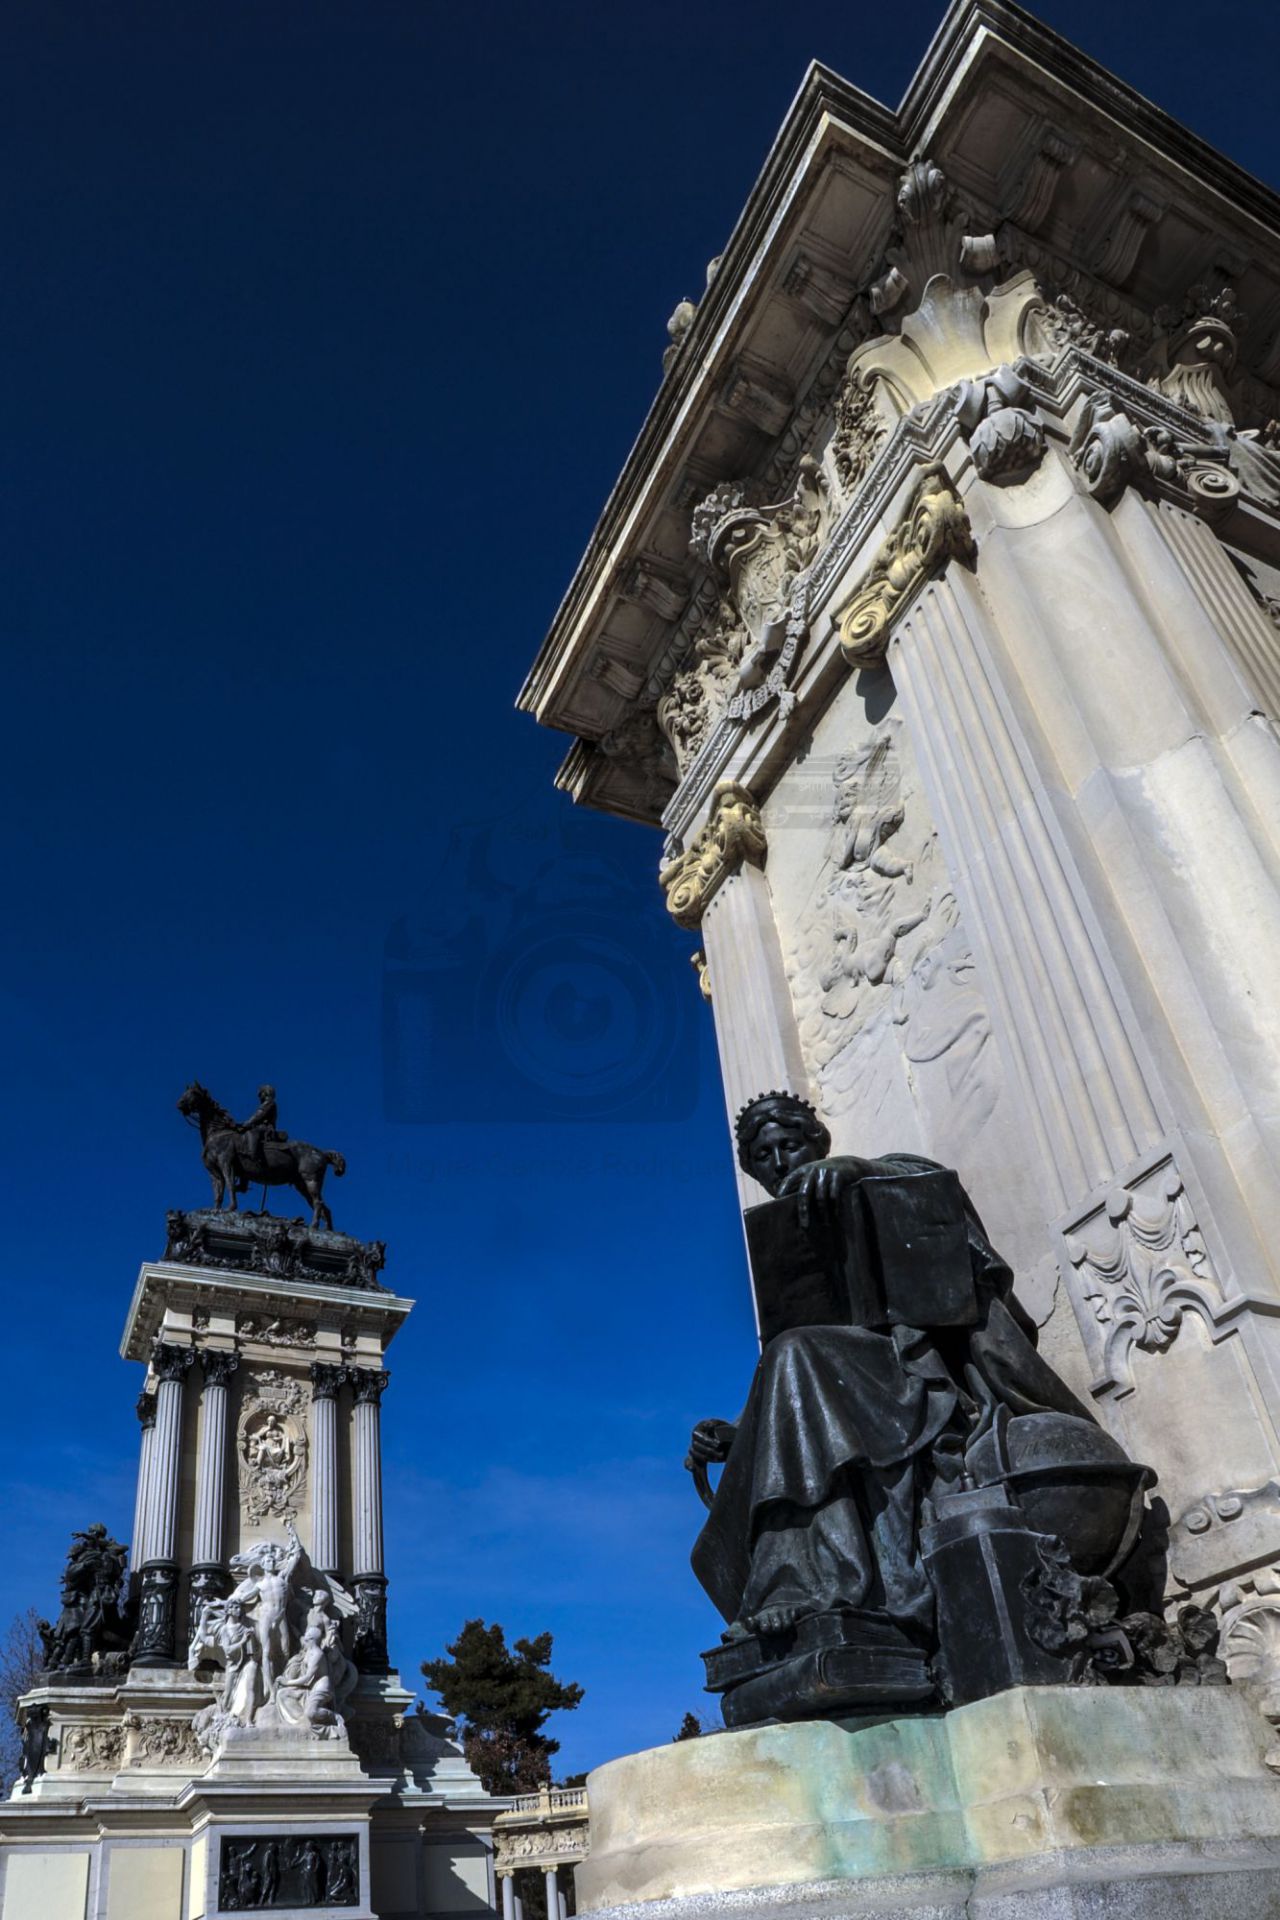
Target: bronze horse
x=233 y=1168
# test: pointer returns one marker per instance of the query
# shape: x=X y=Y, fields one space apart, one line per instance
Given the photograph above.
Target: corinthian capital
x=219 y=1364
x=732 y=834
x=325 y=1380
x=171 y=1363
x=368 y=1384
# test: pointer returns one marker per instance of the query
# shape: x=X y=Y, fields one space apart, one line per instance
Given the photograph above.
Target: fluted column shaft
x=172 y=1365
x=147 y=1419
x=367 y=1450
x=325 y=1382
x=367 y=1577
x=211 y=1472
x=157 y=1611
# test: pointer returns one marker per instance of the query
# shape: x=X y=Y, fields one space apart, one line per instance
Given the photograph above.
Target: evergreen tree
x=501 y=1697
x=691 y=1728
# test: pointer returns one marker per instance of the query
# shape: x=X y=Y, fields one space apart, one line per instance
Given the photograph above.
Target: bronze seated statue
x=907 y=1473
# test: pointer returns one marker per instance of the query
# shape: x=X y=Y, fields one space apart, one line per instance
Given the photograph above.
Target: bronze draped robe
x=818 y=1503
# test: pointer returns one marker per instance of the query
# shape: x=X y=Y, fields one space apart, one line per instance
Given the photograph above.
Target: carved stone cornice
x=732 y=834
x=170 y=1362
x=146 y=1410
x=219 y=1363
x=326 y=1380
x=934 y=529
x=368 y=1384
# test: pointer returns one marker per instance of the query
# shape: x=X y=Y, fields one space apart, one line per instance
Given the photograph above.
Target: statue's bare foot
x=774 y=1619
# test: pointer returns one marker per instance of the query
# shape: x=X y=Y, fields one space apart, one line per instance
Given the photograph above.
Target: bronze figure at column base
x=370 y=1649
x=209 y=1581
x=155 y=1642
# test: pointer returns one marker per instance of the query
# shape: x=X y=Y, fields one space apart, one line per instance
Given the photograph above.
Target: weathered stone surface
x=1041 y=1801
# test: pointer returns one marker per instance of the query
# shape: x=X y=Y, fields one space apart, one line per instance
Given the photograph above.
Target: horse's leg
x=229 y=1175
x=310 y=1187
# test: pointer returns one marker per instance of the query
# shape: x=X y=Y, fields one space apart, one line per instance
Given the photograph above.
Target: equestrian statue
x=254 y=1152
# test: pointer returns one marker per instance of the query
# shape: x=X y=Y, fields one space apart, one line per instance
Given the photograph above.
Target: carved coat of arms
x=272 y=1445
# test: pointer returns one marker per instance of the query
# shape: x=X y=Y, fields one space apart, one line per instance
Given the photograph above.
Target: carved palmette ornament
x=1141 y=1265
x=271 y=1443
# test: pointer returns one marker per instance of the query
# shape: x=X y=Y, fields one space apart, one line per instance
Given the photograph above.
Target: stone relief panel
x=893 y=1023
x=275 y=1330
x=163 y=1743
x=1141 y=1265
x=271 y=1446
x=90 y=1749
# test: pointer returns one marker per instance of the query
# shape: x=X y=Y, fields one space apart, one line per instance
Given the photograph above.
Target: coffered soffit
x=1035 y=138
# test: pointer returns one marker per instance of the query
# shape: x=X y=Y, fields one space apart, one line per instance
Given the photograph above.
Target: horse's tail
x=337 y=1162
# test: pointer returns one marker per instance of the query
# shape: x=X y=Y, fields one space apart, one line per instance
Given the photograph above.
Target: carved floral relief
x=1141 y=1265
x=86 y=1749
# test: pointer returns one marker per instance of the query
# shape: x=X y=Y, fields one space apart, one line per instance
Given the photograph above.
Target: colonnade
x=513 y=1905
x=158 y=1558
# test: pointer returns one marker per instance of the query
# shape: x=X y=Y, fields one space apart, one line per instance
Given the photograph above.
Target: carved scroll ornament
x=1142 y=1265
x=732 y=834
x=934 y=530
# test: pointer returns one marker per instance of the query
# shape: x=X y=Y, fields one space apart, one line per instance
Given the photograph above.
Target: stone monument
x=219 y=1729
x=935 y=621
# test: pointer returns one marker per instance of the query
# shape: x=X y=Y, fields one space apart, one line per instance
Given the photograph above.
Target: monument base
x=133 y=1820
x=1041 y=1803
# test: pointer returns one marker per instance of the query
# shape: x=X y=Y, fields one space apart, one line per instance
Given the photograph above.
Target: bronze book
x=898 y=1255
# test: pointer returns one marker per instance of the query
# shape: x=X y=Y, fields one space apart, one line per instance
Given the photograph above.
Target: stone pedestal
x=1043 y=1803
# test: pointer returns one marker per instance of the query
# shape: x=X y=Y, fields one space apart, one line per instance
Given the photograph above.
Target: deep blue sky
x=326 y=328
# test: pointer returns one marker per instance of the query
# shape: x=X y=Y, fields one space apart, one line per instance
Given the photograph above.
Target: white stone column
x=157 y=1622
x=368 y=1580
x=717 y=886
x=553 y=1893
x=218 y=1366
x=147 y=1418
x=325 y=1382
x=1024 y=688
x=508 y=1884
x=756 y=1032
x=208 y=1578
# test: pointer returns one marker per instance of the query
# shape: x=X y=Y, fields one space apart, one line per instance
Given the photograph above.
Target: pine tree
x=691 y=1728
x=501 y=1696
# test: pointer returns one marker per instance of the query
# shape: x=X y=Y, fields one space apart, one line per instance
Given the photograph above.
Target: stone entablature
x=257 y=1310
x=810 y=345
